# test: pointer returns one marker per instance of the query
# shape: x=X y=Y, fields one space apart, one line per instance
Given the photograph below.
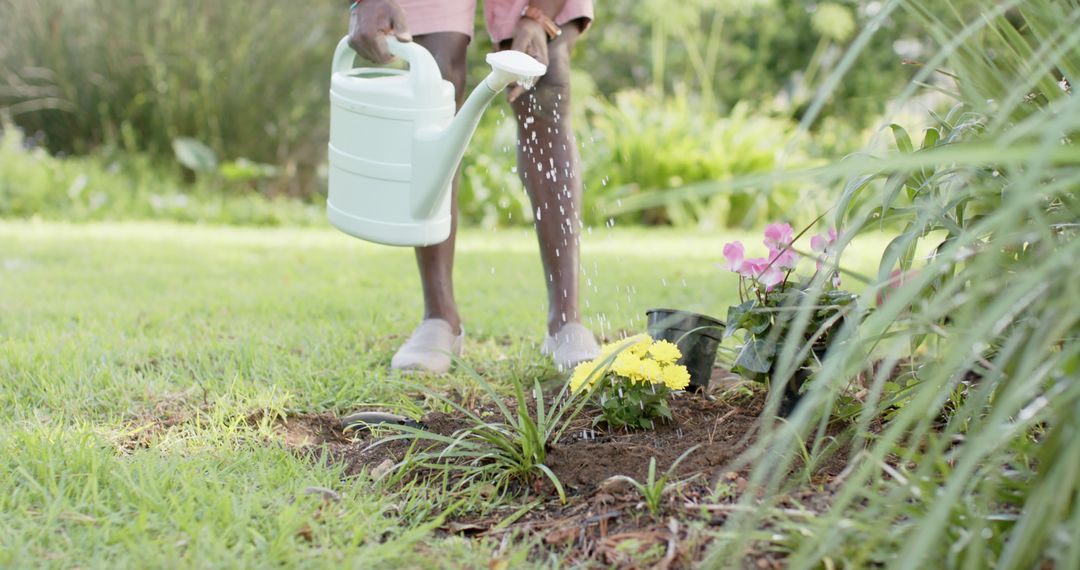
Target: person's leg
x=440 y=333
x=436 y=262
x=548 y=163
x=549 y=166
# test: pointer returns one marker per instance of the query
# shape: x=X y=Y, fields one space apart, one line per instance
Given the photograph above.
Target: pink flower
x=783 y=258
x=762 y=271
x=897 y=279
x=752 y=267
x=823 y=245
x=733 y=253
x=778 y=235
x=771 y=276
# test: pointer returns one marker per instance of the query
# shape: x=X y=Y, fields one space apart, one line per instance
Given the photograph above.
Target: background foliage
x=245 y=90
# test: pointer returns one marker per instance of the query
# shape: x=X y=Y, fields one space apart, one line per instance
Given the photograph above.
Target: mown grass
x=106 y=329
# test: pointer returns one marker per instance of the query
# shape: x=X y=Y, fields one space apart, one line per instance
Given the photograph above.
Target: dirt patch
x=605 y=522
x=149 y=425
x=722 y=430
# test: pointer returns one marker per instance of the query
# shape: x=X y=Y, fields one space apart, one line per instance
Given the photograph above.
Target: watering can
x=395 y=141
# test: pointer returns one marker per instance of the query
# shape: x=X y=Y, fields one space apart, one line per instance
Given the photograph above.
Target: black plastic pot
x=697 y=336
x=792 y=397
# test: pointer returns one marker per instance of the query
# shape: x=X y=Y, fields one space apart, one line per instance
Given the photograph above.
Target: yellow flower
x=638 y=359
x=626 y=365
x=665 y=352
x=639 y=345
x=649 y=372
x=676 y=376
x=586 y=374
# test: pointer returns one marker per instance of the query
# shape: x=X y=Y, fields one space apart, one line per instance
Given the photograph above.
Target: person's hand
x=529 y=37
x=370 y=23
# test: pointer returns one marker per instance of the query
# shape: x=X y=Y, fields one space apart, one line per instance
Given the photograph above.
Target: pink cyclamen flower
x=823 y=245
x=753 y=267
x=771 y=276
x=733 y=253
x=783 y=258
x=778 y=235
x=762 y=271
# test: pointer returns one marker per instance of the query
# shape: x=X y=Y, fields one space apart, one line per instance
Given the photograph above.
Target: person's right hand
x=370 y=23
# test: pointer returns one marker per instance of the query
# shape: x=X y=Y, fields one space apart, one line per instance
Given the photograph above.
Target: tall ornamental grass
x=955 y=393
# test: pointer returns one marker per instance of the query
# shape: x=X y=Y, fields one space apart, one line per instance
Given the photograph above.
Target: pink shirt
x=430 y=16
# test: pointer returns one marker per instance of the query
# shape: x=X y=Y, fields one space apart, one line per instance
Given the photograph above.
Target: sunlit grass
x=107 y=328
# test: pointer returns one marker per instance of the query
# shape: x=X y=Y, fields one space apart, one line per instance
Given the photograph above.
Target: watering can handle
x=423 y=71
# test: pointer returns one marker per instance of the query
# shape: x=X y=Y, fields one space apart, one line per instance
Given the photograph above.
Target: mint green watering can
x=395 y=141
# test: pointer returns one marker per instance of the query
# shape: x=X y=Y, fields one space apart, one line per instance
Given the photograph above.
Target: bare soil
x=605 y=521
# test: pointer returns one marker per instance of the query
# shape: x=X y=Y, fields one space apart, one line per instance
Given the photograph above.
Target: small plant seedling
x=653 y=489
x=503 y=449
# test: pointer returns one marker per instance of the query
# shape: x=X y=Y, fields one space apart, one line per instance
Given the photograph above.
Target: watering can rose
x=631 y=380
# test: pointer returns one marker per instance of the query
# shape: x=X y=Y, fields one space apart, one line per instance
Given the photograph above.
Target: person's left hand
x=529 y=37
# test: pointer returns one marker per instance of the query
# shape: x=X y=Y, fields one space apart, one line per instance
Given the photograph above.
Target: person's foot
x=430 y=348
x=572 y=345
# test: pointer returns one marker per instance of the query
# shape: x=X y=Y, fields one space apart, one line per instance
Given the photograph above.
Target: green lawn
x=104 y=328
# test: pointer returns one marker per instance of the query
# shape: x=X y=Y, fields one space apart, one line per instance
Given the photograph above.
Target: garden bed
x=604 y=519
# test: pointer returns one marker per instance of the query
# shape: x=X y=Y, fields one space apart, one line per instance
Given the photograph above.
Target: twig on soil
x=747 y=509
x=719 y=421
x=672 y=546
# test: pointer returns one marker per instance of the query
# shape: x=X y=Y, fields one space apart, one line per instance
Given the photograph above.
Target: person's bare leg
x=548 y=162
x=439 y=335
x=436 y=262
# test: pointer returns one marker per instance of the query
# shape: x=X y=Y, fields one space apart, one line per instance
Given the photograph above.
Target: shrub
x=35 y=184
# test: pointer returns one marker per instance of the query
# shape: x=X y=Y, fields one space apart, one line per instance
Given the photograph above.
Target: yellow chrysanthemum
x=649 y=372
x=639 y=345
x=664 y=352
x=626 y=364
x=638 y=359
x=676 y=377
x=586 y=374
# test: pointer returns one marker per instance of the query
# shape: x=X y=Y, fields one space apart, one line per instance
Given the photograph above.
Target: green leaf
x=756 y=356
x=893 y=185
x=930 y=139
x=839 y=297
x=194 y=155
x=736 y=315
x=903 y=141
x=851 y=191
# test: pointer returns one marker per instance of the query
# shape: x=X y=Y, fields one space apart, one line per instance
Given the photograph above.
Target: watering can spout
x=439 y=150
